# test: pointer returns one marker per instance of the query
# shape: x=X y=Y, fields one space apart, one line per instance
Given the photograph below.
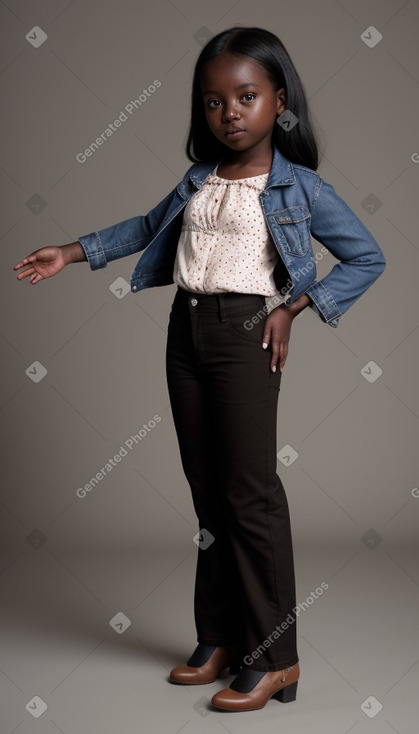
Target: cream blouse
x=224 y=243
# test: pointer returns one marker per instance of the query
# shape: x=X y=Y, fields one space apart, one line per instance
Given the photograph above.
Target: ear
x=281 y=103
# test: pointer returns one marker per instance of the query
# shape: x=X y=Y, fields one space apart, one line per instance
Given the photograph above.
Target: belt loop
x=221 y=306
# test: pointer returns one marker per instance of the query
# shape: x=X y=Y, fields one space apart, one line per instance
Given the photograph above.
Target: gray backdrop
x=83 y=357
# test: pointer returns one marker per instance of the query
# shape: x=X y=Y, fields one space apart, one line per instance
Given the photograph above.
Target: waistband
x=220 y=303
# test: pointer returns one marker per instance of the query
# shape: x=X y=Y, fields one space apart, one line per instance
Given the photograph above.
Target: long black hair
x=299 y=144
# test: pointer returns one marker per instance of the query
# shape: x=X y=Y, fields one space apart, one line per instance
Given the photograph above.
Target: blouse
x=224 y=244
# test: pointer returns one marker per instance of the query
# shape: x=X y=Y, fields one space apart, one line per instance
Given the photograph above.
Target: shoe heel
x=287 y=694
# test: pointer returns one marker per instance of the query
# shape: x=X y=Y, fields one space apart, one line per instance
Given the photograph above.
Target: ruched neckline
x=215 y=178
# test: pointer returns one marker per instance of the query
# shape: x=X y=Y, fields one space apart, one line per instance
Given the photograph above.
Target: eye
x=213 y=104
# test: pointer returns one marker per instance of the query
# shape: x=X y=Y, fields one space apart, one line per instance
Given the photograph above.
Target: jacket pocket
x=294 y=222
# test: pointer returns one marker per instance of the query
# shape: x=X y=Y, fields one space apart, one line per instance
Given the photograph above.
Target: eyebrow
x=241 y=86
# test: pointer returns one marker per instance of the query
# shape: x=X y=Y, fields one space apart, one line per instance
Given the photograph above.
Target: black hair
x=299 y=144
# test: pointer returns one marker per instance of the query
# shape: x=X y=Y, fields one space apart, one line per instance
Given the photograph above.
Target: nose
x=231 y=112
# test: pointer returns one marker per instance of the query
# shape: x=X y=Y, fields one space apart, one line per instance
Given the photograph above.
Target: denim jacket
x=297 y=204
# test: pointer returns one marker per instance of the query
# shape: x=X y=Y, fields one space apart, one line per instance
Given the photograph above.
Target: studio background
x=83 y=371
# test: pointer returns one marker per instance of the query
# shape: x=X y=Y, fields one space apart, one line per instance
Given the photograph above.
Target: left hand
x=277 y=333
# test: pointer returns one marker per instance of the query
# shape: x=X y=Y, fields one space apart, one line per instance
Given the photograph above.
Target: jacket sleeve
x=125 y=238
x=337 y=227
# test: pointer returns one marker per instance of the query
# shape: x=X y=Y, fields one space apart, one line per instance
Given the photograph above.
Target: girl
x=235 y=231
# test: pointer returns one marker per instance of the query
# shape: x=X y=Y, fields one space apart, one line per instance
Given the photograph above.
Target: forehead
x=228 y=71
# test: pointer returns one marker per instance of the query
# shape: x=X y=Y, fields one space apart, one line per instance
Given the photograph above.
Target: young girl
x=235 y=231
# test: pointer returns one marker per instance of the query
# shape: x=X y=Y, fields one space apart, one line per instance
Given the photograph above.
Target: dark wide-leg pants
x=224 y=403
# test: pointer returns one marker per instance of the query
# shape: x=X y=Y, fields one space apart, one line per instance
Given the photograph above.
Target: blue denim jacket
x=297 y=204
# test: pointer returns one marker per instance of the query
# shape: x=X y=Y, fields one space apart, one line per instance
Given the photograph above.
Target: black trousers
x=224 y=403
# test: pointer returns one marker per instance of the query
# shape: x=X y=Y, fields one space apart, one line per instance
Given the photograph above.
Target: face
x=237 y=93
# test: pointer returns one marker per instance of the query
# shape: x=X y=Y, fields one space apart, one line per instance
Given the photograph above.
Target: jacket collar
x=281 y=173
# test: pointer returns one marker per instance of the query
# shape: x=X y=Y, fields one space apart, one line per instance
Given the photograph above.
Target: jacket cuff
x=324 y=305
x=93 y=249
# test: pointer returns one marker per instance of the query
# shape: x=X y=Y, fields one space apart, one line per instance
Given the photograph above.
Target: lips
x=232 y=130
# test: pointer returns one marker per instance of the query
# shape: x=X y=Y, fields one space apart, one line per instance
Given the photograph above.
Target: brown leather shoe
x=252 y=689
x=205 y=664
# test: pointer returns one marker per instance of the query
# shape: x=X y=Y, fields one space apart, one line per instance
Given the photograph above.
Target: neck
x=253 y=159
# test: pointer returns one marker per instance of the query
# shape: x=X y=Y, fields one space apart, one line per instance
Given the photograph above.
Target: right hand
x=43 y=263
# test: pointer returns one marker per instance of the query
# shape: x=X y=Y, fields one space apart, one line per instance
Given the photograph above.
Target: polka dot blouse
x=224 y=245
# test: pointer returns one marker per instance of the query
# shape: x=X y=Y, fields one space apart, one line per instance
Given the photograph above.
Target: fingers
x=275 y=351
x=25 y=273
x=283 y=356
x=279 y=355
x=30 y=270
x=279 y=351
x=35 y=277
x=25 y=260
